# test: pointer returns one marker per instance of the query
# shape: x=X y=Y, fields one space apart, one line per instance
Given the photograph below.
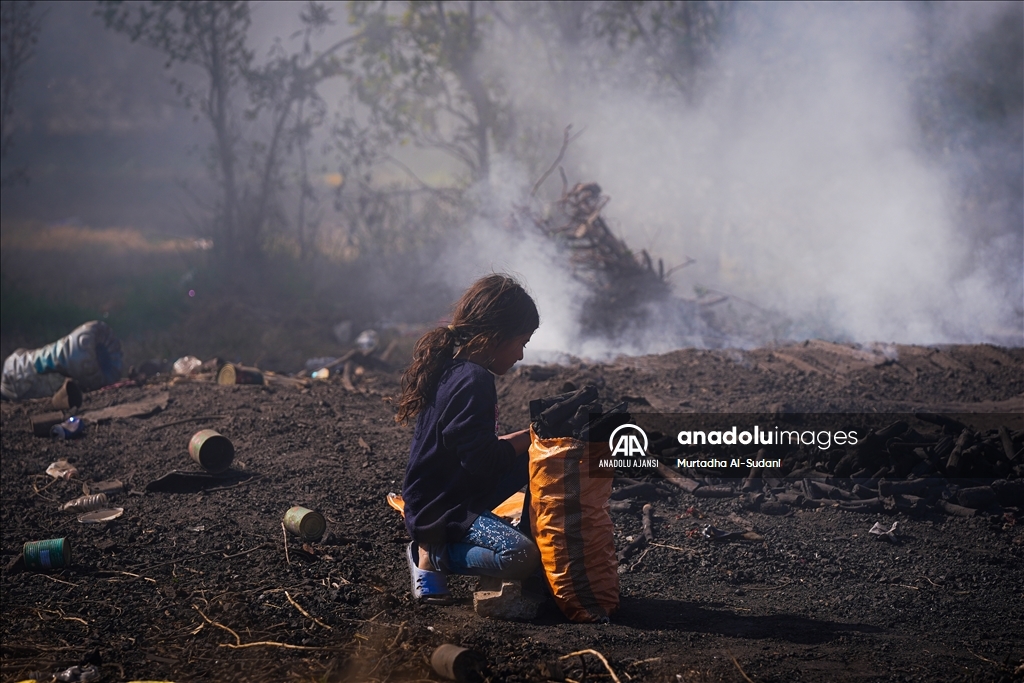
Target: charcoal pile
x=576 y=414
x=947 y=466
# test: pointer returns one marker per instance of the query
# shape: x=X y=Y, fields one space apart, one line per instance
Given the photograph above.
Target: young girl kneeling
x=459 y=468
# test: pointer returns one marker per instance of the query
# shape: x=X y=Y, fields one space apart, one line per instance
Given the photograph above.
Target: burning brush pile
x=626 y=289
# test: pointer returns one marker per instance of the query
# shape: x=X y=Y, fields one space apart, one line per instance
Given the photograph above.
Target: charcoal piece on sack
x=577 y=415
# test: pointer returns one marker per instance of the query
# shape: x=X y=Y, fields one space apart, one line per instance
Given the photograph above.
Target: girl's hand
x=520 y=440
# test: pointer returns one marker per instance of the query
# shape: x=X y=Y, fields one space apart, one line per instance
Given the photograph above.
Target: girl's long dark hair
x=494 y=309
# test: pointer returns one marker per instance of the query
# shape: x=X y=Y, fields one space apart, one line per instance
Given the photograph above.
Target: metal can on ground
x=87 y=503
x=52 y=553
x=212 y=450
x=307 y=524
x=459 y=664
x=237 y=374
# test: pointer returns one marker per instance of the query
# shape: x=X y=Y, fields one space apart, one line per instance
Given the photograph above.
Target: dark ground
x=182 y=584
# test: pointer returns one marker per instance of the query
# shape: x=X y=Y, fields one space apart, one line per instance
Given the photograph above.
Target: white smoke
x=799 y=182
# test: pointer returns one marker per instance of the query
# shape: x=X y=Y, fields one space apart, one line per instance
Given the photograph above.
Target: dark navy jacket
x=456 y=457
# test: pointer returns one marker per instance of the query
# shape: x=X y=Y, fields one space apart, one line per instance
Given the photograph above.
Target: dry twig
x=284 y=532
x=742 y=672
x=305 y=613
x=597 y=654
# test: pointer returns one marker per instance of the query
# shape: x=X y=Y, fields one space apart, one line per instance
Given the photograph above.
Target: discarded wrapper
x=100 y=516
x=889 y=535
x=61 y=469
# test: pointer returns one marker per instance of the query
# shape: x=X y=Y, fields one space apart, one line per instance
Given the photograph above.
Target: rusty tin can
x=42 y=423
x=458 y=663
x=238 y=374
x=52 y=553
x=212 y=450
x=307 y=524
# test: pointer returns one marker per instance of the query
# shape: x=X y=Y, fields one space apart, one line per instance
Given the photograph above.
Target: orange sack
x=570 y=523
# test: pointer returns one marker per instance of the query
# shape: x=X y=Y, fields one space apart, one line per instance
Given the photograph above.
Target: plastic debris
x=367 y=341
x=889 y=535
x=91 y=355
x=61 y=469
x=71 y=428
x=186 y=365
x=80 y=674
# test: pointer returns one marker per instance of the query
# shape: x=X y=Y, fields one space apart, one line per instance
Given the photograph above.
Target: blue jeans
x=492 y=547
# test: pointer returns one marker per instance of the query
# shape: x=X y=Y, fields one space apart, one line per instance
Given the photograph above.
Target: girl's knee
x=520 y=562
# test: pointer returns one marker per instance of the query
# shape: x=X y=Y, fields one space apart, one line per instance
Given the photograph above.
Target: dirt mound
x=199 y=585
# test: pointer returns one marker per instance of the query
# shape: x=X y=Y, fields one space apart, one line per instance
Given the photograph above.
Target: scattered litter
x=367 y=341
x=459 y=664
x=80 y=674
x=68 y=396
x=44 y=422
x=91 y=355
x=715 y=534
x=307 y=524
x=100 y=516
x=210 y=449
x=198 y=529
x=238 y=374
x=110 y=487
x=879 y=530
x=52 y=553
x=322 y=373
x=97 y=501
x=71 y=428
x=61 y=469
x=186 y=365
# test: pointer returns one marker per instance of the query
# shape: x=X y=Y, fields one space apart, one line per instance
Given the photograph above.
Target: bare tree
x=249 y=167
x=20 y=24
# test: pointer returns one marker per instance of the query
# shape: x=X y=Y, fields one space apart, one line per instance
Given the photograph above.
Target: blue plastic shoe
x=428 y=587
